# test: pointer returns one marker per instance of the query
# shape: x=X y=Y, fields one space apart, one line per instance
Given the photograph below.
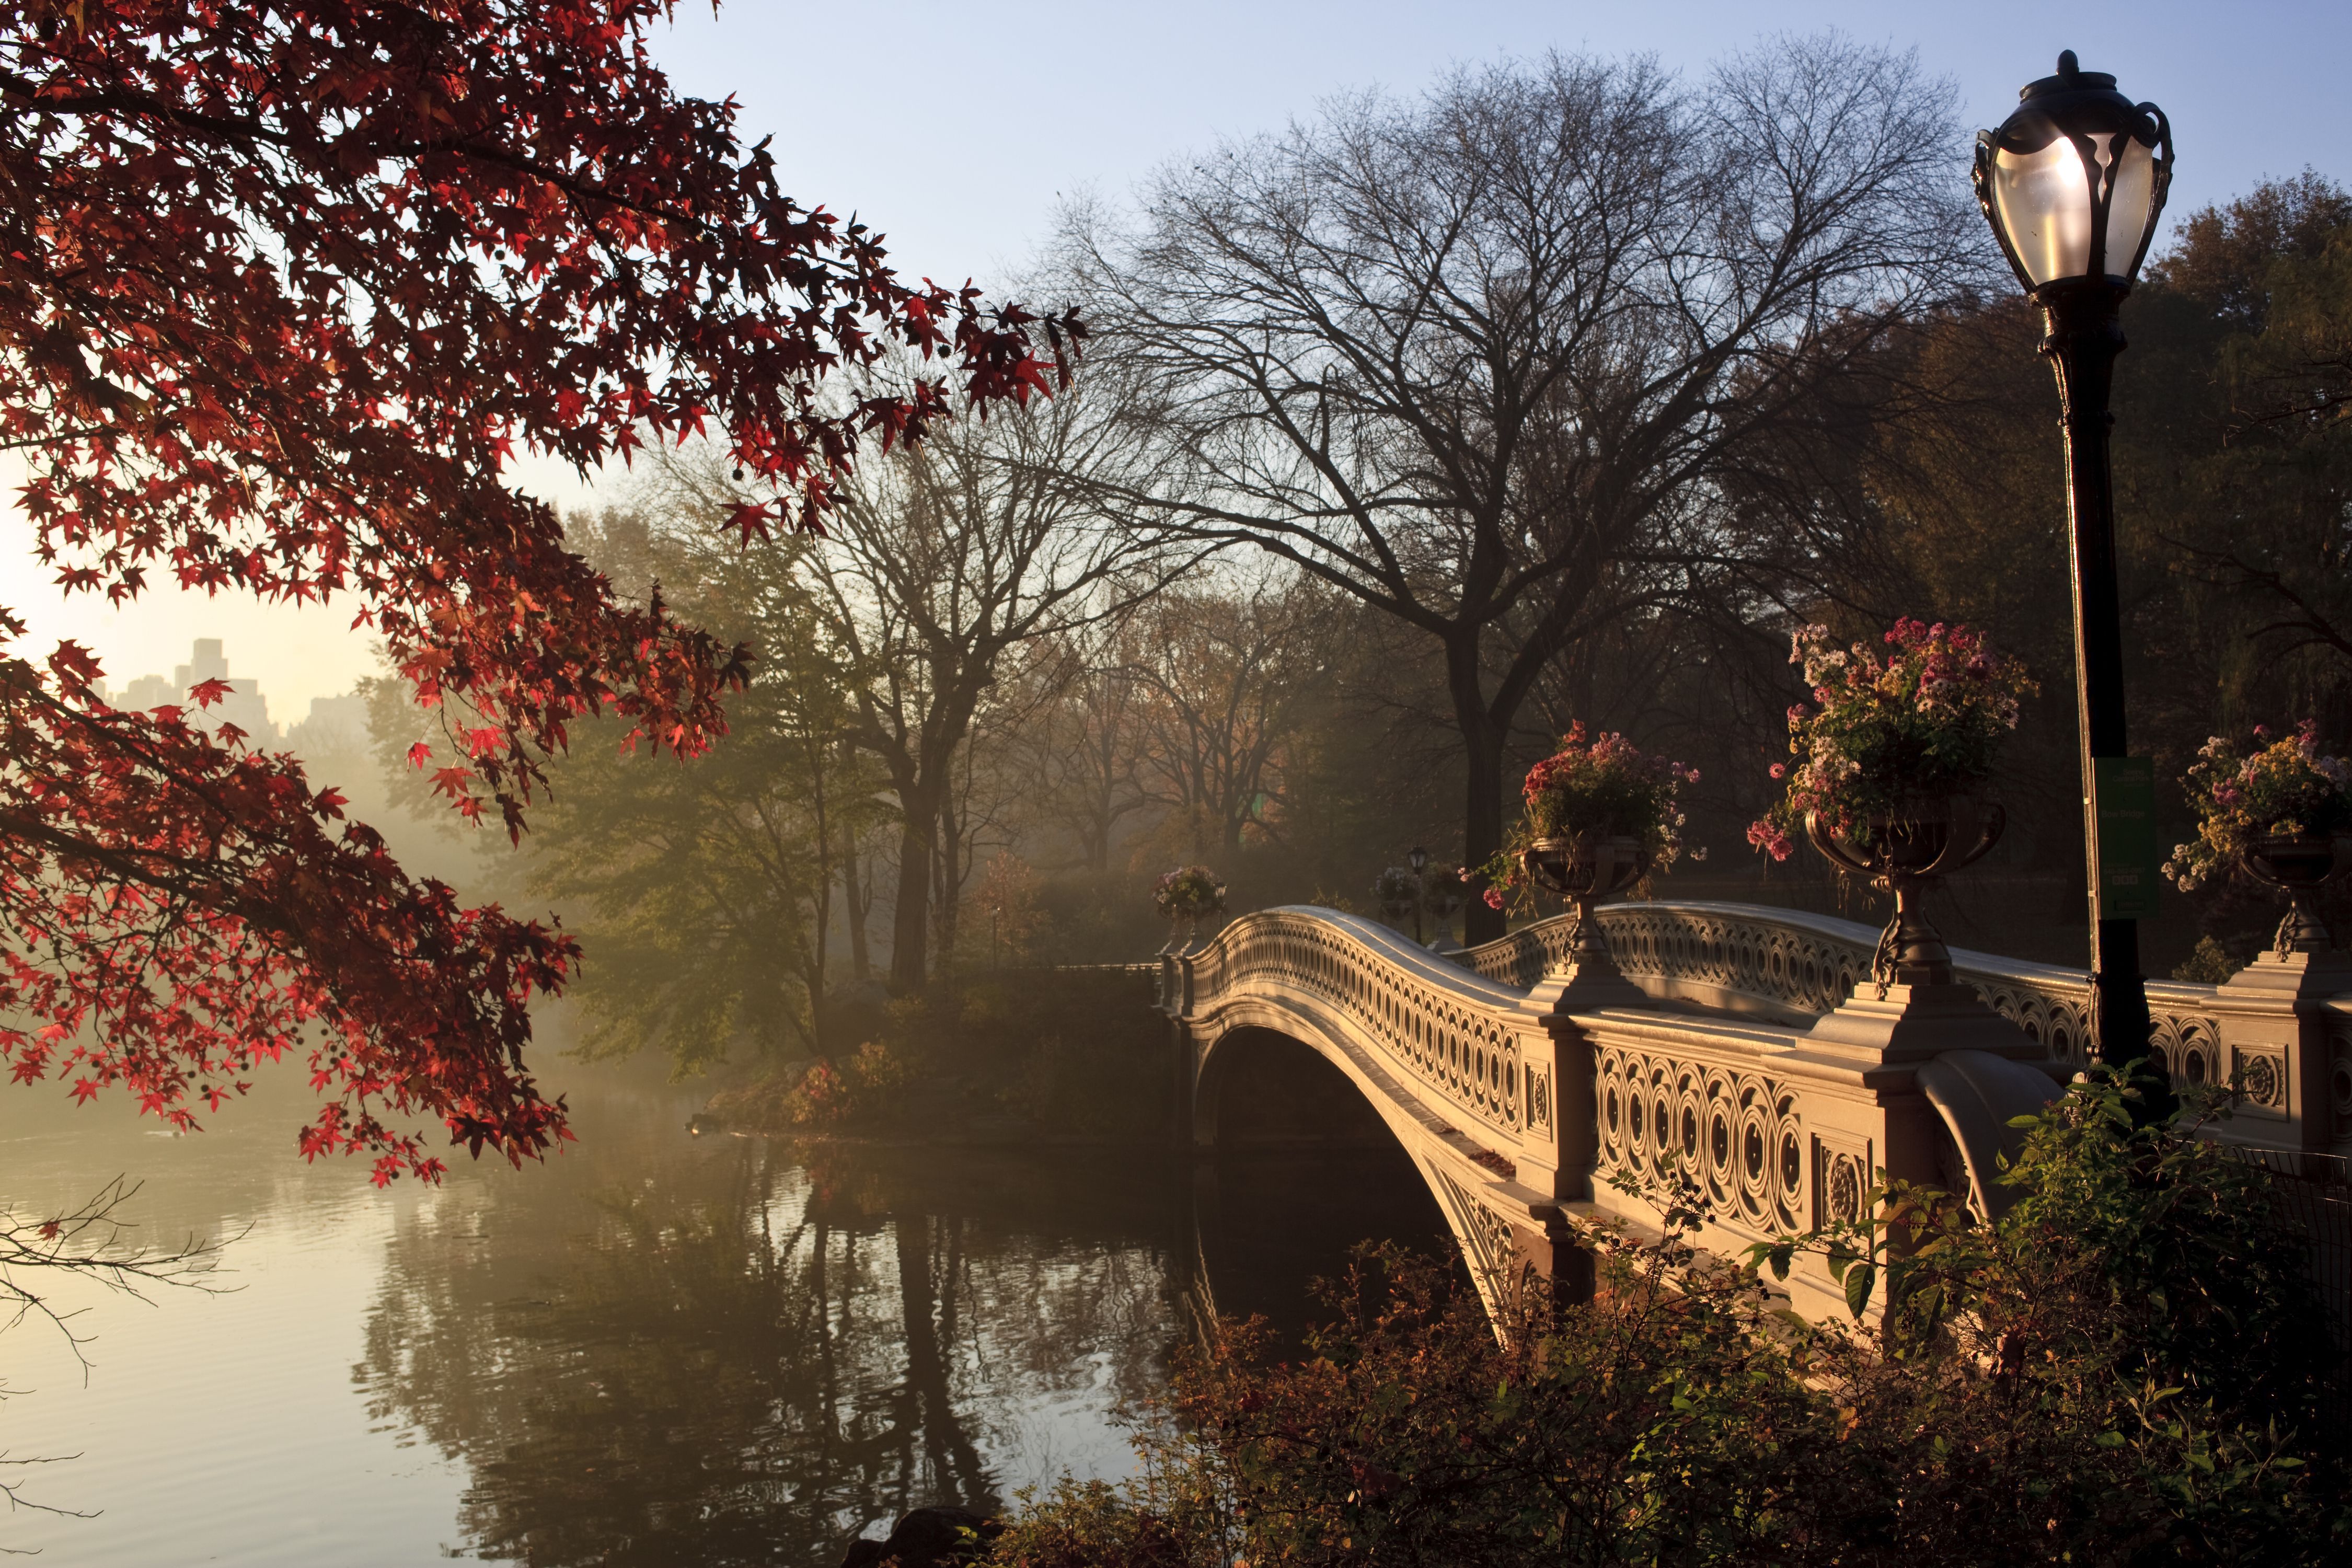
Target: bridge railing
x=1791 y=967
x=1461 y=1042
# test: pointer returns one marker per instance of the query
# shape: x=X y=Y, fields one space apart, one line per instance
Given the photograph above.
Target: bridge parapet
x=1466 y=1046
x=1792 y=967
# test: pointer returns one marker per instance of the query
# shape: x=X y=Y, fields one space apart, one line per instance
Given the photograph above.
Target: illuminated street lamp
x=2072 y=184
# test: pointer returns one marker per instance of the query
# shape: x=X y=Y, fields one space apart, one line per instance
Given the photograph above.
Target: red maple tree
x=284 y=289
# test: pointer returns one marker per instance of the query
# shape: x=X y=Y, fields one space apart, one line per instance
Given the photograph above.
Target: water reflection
x=739 y=1360
x=657 y=1349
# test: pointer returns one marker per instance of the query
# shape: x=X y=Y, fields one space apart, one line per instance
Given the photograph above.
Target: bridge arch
x=1366 y=1005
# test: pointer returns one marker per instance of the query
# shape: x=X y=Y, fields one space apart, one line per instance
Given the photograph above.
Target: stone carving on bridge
x=1737 y=1134
x=1488 y=1244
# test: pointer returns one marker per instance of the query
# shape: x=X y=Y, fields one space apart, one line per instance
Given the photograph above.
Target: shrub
x=2131 y=1367
x=832 y=1094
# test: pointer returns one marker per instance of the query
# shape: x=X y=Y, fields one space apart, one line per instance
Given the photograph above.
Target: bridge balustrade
x=1519 y=1115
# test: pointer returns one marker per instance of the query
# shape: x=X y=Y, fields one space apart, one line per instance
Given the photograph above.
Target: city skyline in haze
x=960 y=136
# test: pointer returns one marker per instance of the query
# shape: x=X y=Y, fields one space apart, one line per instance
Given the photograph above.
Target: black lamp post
x=2072 y=184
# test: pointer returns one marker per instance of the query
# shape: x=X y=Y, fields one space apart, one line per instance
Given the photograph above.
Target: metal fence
x=2316 y=1191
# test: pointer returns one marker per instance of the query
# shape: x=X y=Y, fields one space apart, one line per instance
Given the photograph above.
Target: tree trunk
x=1482 y=814
x=910 y=923
x=1482 y=825
x=858 y=903
x=947 y=877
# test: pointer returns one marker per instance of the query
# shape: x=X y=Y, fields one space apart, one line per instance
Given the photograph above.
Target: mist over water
x=659 y=1348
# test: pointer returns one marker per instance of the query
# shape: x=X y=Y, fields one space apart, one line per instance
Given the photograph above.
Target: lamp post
x=2072 y=184
x=1418 y=859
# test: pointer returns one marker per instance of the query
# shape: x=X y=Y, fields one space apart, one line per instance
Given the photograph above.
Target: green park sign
x=2124 y=790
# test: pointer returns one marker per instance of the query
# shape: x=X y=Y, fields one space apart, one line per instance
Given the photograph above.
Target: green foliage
x=702 y=890
x=2208 y=964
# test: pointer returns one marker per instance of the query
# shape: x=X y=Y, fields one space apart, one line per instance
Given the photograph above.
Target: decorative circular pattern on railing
x=1737 y=1134
x=1468 y=1056
x=1846 y=1182
x=2261 y=1081
x=1797 y=967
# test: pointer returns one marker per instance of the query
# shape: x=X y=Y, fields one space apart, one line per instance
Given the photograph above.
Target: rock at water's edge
x=926 y=1538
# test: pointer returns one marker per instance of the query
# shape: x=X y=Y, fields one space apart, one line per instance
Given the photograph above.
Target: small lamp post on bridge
x=1418 y=859
x=2072 y=184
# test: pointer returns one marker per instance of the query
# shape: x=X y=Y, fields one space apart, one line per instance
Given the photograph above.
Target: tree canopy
x=287 y=290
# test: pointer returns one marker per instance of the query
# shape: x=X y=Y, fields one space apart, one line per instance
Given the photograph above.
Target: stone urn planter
x=2299 y=868
x=1903 y=851
x=1585 y=869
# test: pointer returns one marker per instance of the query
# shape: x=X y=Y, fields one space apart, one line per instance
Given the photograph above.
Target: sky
x=957 y=129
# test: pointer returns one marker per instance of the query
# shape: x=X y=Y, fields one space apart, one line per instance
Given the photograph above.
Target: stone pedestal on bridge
x=2282 y=1044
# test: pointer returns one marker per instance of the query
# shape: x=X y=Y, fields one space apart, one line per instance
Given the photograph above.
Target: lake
x=658 y=1348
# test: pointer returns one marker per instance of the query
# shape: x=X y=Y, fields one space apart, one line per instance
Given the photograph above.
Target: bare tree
x=1475 y=359
x=946 y=557
x=1082 y=759
x=1225 y=670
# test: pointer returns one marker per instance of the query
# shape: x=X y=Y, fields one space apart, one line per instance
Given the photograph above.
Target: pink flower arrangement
x=1926 y=718
x=1603 y=786
x=2286 y=789
x=1189 y=893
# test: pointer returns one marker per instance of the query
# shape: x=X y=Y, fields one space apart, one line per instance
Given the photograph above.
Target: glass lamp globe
x=2073 y=181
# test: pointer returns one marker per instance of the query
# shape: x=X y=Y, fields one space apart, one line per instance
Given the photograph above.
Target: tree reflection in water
x=701 y=1351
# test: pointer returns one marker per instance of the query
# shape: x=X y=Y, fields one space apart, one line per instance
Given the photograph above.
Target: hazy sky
x=955 y=129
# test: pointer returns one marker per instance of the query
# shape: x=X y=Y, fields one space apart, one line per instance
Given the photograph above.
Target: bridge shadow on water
x=1300 y=1173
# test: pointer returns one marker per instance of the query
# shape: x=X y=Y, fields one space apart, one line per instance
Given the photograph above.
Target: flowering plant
x=2284 y=789
x=1924 y=720
x=1189 y=893
x=1604 y=786
x=1396 y=887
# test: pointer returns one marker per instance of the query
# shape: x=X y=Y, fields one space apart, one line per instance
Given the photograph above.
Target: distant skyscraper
x=243 y=707
x=337 y=726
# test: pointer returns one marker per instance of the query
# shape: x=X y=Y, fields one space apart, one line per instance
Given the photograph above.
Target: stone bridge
x=1743 y=1046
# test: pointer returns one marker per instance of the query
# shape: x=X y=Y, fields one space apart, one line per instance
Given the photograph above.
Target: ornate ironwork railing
x=1455 y=1036
x=1791 y=967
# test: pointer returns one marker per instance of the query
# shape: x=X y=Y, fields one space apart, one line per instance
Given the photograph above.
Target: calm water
x=657 y=1349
